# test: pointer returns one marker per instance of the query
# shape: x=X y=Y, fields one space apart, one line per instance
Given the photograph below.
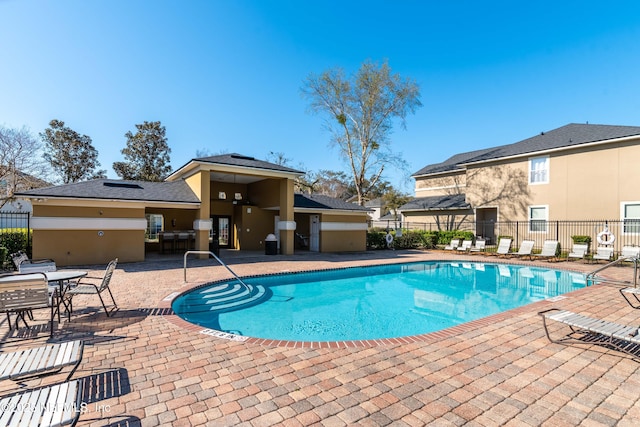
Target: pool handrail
x=249 y=288
x=592 y=277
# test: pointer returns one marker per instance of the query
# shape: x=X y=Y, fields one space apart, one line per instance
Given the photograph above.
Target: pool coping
x=165 y=305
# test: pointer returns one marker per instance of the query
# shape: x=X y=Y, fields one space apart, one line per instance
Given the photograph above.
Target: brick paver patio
x=145 y=367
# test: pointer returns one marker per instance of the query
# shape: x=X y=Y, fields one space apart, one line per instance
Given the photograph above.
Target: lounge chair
x=93 y=289
x=25 y=265
x=627 y=293
x=630 y=252
x=503 y=247
x=54 y=405
x=579 y=250
x=549 y=249
x=479 y=246
x=453 y=245
x=525 y=248
x=465 y=246
x=603 y=253
x=600 y=331
x=44 y=360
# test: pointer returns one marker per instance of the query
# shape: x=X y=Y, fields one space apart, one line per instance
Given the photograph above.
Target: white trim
x=287 y=225
x=203 y=224
x=343 y=226
x=71 y=223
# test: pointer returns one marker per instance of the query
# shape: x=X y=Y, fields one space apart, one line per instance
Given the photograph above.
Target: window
x=539 y=170
x=538 y=216
x=631 y=217
x=154 y=226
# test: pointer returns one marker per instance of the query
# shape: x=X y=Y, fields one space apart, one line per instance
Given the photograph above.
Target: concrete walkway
x=143 y=366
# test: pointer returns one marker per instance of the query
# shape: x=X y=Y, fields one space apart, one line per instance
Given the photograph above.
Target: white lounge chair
x=465 y=246
x=25 y=265
x=601 y=331
x=630 y=252
x=549 y=249
x=525 y=248
x=503 y=247
x=453 y=245
x=627 y=293
x=603 y=253
x=54 y=405
x=479 y=246
x=579 y=250
x=44 y=360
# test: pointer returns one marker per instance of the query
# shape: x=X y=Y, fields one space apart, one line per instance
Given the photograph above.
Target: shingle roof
x=110 y=189
x=235 y=159
x=455 y=201
x=318 y=201
x=566 y=136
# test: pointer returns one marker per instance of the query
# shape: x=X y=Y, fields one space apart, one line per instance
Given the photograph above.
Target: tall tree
x=360 y=112
x=392 y=200
x=20 y=163
x=146 y=154
x=72 y=156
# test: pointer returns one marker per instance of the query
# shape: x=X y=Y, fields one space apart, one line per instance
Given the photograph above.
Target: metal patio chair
x=95 y=289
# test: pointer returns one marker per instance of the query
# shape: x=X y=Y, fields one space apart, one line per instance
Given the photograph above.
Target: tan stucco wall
x=253 y=226
x=78 y=247
x=342 y=240
x=441 y=185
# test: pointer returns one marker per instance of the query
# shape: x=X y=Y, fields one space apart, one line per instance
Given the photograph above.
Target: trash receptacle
x=271 y=245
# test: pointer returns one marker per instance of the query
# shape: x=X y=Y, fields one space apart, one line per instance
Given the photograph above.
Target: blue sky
x=225 y=76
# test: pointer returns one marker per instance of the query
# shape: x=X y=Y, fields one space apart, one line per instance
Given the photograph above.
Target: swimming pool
x=366 y=303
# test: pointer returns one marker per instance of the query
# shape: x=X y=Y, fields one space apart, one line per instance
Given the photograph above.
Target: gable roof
x=446 y=202
x=110 y=189
x=319 y=201
x=567 y=136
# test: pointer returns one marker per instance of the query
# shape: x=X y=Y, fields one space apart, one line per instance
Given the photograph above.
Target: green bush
x=4 y=258
x=14 y=241
x=445 y=237
x=376 y=239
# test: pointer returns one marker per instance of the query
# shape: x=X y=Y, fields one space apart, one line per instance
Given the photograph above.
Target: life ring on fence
x=606 y=237
x=388 y=238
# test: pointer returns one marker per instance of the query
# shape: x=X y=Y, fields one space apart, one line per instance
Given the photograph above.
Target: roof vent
x=122 y=185
x=237 y=156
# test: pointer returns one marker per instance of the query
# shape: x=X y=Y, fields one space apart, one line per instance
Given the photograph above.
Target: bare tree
x=360 y=112
x=20 y=163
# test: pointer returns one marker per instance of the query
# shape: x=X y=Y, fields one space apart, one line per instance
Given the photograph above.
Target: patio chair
x=549 y=249
x=479 y=246
x=503 y=247
x=39 y=361
x=25 y=265
x=525 y=249
x=603 y=253
x=53 y=405
x=20 y=294
x=579 y=250
x=599 y=331
x=465 y=246
x=91 y=288
x=453 y=245
x=630 y=252
x=627 y=293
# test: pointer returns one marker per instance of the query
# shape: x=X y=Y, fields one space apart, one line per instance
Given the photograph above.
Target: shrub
x=14 y=241
x=4 y=257
x=376 y=239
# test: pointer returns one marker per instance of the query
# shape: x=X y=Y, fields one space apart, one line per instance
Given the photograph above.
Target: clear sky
x=225 y=75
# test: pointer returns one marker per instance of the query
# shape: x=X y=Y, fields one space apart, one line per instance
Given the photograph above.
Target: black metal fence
x=612 y=233
x=16 y=222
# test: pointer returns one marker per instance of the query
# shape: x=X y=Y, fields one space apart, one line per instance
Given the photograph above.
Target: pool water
x=366 y=303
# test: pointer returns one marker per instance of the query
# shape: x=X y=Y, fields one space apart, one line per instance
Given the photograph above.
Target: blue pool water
x=370 y=302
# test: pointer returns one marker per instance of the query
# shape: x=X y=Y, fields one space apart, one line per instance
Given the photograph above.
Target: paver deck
x=143 y=366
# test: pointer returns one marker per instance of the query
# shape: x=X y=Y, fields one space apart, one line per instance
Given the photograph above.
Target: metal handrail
x=249 y=288
x=592 y=276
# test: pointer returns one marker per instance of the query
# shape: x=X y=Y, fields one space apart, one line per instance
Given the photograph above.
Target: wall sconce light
x=222 y=195
x=238 y=196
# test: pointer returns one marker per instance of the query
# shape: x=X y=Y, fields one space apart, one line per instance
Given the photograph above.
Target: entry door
x=314 y=238
x=222 y=229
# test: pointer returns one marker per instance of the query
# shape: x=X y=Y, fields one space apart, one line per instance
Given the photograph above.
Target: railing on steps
x=249 y=288
x=592 y=278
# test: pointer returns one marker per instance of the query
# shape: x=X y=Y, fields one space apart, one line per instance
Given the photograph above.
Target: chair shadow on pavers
x=102 y=386
x=128 y=421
